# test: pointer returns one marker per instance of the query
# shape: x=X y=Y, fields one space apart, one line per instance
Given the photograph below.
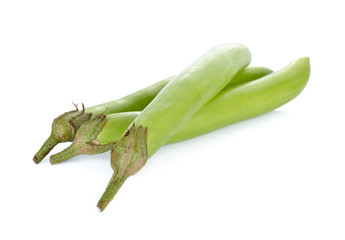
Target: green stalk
x=64 y=128
x=127 y=158
x=48 y=145
x=85 y=140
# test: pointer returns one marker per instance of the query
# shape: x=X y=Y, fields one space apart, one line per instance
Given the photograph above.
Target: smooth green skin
x=231 y=105
x=249 y=74
x=234 y=104
x=189 y=91
x=117 y=123
x=66 y=125
x=178 y=101
x=248 y=100
x=108 y=130
x=137 y=101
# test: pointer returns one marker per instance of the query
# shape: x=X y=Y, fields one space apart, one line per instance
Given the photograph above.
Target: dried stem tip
x=128 y=156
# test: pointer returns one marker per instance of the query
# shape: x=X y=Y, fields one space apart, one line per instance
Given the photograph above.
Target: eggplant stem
x=64 y=155
x=47 y=146
x=111 y=190
x=128 y=156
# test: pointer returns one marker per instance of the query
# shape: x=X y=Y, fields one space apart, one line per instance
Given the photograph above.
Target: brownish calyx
x=64 y=129
x=128 y=156
x=84 y=141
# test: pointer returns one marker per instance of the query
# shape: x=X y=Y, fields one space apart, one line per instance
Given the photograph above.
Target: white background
x=278 y=176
